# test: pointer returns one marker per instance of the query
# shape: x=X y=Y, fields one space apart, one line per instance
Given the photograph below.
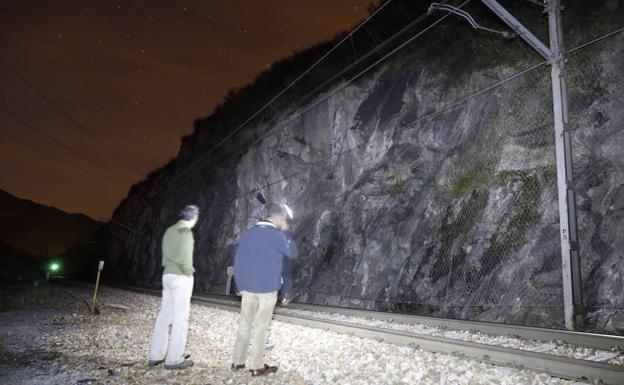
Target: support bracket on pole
x=573 y=309
x=520 y=29
x=463 y=14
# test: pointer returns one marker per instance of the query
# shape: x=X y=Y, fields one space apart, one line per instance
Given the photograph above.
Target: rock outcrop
x=404 y=199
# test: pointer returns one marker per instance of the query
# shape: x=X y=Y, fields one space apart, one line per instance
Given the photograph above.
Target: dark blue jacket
x=259 y=263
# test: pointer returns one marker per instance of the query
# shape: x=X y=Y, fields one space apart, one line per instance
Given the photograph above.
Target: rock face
x=405 y=200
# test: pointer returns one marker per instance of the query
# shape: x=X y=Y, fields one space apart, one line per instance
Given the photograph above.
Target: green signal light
x=54 y=267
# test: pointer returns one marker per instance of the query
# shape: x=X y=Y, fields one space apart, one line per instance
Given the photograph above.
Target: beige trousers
x=256 y=313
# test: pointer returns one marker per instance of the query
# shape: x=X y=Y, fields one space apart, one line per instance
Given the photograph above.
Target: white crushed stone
x=112 y=348
x=557 y=348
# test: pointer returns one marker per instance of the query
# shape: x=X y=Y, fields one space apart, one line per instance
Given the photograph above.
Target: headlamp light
x=288 y=210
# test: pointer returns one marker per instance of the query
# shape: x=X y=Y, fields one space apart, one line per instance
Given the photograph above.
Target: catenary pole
x=570 y=256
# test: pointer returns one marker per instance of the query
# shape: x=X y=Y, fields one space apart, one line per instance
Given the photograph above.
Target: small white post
x=97 y=284
x=228 y=284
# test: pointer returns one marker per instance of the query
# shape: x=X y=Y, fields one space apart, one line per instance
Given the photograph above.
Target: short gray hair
x=189 y=212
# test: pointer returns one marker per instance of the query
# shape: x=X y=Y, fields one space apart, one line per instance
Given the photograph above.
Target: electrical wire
x=339 y=74
x=321 y=100
x=211 y=150
x=596 y=40
x=508 y=79
x=342 y=72
x=52 y=155
x=317 y=89
x=61 y=144
x=463 y=100
x=453 y=105
x=68 y=116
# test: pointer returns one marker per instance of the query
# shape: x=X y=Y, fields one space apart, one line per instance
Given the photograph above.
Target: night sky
x=133 y=76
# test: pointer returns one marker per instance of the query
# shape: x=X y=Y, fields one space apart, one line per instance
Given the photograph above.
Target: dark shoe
x=263 y=371
x=151 y=363
x=182 y=365
x=236 y=368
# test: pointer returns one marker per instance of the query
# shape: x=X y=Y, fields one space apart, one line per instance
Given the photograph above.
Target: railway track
x=592 y=340
x=557 y=366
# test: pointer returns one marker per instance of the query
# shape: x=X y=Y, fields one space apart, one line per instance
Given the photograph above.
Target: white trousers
x=256 y=313
x=174 y=311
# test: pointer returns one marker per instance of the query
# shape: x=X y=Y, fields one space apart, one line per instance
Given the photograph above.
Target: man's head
x=189 y=215
x=277 y=215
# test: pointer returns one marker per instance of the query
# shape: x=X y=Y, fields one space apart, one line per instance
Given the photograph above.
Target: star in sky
x=136 y=77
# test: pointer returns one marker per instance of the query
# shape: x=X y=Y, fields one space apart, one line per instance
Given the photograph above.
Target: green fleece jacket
x=177 y=250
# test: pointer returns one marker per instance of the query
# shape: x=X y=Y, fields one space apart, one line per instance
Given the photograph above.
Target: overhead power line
x=461 y=101
x=453 y=105
x=596 y=40
x=61 y=144
x=316 y=103
x=469 y=18
x=376 y=49
x=52 y=155
x=357 y=76
x=228 y=136
x=413 y=122
x=69 y=116
x=370 y=67
x=475 y=94
x=429 y=115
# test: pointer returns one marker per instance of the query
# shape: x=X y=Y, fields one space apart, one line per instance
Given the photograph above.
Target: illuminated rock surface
x=454 y=216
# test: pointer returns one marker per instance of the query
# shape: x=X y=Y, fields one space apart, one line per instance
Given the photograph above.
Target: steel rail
x=590 y=340
x=557 y=366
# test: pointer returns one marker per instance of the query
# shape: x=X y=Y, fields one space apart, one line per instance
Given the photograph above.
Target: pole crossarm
x=461 y=13
x=521 y=30
x=573 y=307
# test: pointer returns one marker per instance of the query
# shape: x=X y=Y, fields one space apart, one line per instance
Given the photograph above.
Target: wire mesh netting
x=467 y=225
x=596 y=110
x=486 y=238
x=497 y=240
x=428 y=186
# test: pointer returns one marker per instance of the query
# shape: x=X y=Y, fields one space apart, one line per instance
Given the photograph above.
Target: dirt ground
x=48 y=336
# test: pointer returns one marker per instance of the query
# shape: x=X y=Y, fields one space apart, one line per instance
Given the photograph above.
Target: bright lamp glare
x=288 y=211
x=55 y=267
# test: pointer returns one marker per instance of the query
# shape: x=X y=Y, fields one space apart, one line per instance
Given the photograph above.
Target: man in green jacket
x=177 y=282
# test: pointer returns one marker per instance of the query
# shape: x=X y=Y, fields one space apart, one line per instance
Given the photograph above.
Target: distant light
x=54 y=267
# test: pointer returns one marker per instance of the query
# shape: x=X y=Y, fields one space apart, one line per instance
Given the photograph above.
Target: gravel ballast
x=59 y=342
x=557 y=348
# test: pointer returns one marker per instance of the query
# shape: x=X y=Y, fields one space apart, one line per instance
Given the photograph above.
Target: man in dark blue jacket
x=259 y=270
